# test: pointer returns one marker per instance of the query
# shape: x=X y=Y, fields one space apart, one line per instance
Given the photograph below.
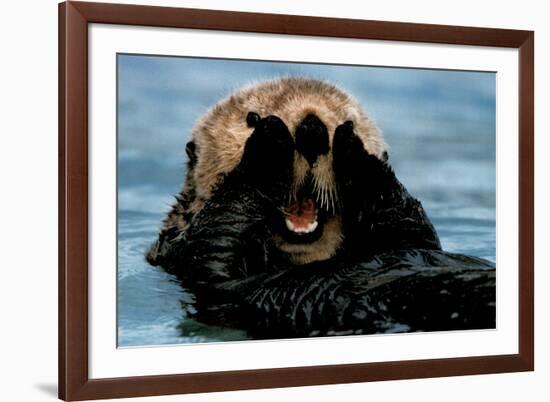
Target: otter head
x=310 y=227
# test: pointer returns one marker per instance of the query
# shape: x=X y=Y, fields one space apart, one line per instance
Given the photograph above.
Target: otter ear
x=191 y=151
x=252 y=119
x=385 y=156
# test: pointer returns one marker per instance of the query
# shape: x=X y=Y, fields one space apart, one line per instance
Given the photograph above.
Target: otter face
x=311 y=201
x=310 y=225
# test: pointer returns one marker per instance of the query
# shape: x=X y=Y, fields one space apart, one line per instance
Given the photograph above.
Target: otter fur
x=291 y=218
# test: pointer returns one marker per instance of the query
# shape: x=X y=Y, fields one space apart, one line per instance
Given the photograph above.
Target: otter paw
x=351 y=161
x=269 y=151
x=349 y=154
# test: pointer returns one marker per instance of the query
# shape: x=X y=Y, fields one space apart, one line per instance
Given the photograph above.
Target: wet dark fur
x=389 y=275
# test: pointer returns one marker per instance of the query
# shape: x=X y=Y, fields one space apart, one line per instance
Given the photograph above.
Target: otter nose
x=312 y=138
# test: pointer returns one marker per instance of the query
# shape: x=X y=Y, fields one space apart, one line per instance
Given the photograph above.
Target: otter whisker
x=322 y=194
x=284 y=211
x=291 y=195
x=331 y=201
x=316 y=190
x=325 y=195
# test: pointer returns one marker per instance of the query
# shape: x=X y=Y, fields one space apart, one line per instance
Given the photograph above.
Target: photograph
x=268 y=199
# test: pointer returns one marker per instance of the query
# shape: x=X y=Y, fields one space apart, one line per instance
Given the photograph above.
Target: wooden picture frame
x=74 y=381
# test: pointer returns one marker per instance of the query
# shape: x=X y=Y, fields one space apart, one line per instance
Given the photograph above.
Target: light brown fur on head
x=220 y=136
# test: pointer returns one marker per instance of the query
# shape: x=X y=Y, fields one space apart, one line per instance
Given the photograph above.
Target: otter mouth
x=301 y=216
x=303 y=219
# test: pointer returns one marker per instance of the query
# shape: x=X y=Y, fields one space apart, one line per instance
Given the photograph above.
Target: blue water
x=440 y=126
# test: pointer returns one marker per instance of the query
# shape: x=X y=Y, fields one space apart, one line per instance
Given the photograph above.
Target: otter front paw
x=360 y=176
x=378 y=213
x=365 y=185
x=268 y=153
x=229 y=237
x=352 y=163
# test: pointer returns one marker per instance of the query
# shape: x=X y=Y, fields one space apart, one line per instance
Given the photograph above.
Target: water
x=440 y=126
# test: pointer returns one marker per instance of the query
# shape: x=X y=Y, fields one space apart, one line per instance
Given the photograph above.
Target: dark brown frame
x=74 y=17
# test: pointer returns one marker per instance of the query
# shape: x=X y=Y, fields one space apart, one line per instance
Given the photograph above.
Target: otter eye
x=252 y=119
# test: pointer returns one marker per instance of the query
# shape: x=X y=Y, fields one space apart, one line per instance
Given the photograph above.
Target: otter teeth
x=308 y=229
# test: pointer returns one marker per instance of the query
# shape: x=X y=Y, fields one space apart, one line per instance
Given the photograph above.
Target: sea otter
x=291 y=222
